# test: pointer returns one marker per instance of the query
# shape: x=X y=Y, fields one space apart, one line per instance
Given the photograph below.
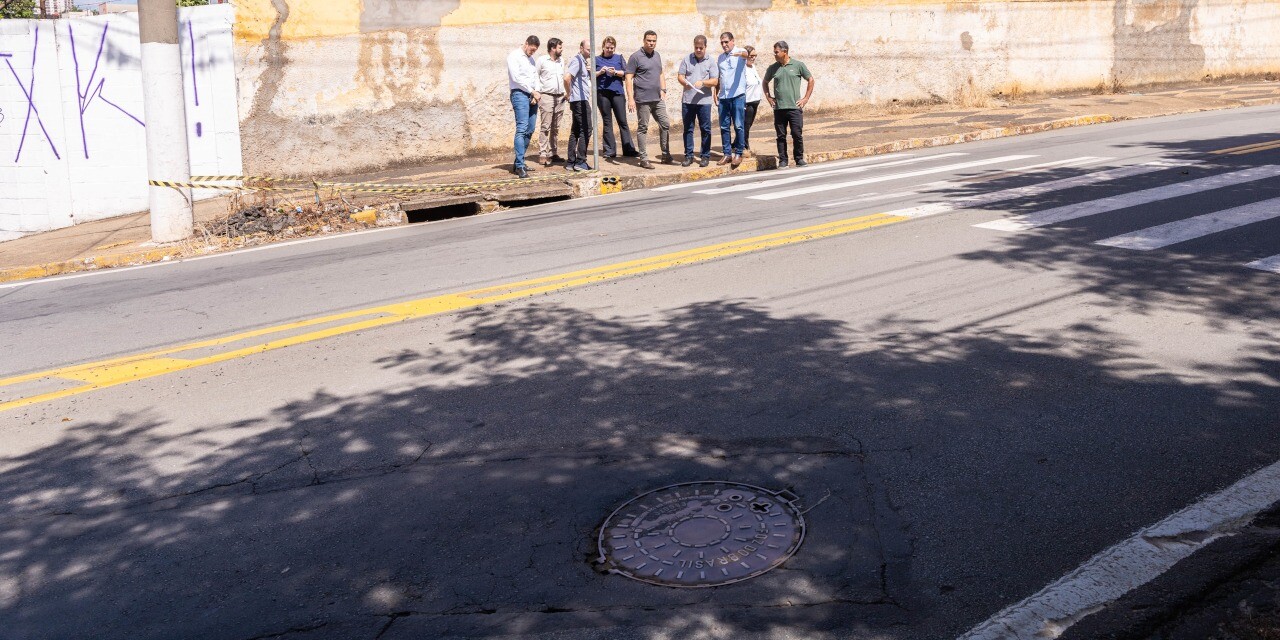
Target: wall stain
x=1153 y=42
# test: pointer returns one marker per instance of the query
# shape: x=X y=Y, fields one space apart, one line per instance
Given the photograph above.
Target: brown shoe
x=645 y=164
x=545 y=161
x=726 y=160
x=737 y=160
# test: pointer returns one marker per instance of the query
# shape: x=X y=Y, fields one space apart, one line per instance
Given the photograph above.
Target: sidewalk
x=828 y=136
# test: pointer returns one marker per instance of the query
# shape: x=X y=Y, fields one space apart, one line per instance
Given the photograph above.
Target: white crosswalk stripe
x=792 y=179
x=778 y=195
x=757 y=175
x=1132 y=199
x=959 y=184
x=1196 y=227
x=1271 y=264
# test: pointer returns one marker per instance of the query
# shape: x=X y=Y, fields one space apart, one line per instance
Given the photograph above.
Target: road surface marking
x=778 y=182
x=1191 y=228
x=970 y=182
x=1029 y=191
x=1133 y=562
x=758 y=175
x=1271 y=264
x=1132 y=199
x=115 y=371
x=778 y=195
x=1248 y=148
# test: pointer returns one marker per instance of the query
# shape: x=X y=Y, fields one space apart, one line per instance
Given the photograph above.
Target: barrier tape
x=202 y=182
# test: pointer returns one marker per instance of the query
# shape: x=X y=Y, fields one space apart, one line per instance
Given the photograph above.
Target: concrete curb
x=127 y=259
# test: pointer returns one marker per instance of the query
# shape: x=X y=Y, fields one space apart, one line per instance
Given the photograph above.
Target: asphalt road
x=967 y=413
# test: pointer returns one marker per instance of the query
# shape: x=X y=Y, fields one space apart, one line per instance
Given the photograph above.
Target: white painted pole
x=595 y=126
x=165 y=106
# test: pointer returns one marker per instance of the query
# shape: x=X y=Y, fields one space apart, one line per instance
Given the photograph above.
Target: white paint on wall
x=76 y=150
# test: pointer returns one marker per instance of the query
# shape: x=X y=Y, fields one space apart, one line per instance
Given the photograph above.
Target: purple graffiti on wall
x=29 y=91
x=195 y=80
x=87 y=93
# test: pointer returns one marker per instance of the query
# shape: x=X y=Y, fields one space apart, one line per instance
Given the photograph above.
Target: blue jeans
x=526 y=121
x=732 y=115
x=702 y=112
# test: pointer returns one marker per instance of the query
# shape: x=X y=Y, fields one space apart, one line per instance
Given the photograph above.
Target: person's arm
x=662 y=83
x=629 y=83
x=768 y=95
x=807 y=92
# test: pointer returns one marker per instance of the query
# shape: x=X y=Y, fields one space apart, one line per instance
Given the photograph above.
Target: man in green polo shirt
x=782 y=90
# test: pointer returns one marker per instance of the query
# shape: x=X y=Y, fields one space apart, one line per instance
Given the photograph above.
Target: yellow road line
x=115 y=371
x=1248 y=148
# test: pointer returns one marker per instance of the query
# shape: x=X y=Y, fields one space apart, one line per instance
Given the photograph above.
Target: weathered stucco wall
x=361 y=84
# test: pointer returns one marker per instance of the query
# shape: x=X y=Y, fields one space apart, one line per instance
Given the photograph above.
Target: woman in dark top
x=611 y=98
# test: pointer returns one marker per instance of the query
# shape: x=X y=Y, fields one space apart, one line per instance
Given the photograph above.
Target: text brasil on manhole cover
x=701 y=534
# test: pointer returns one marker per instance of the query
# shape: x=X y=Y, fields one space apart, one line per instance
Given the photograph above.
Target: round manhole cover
x=701 y=534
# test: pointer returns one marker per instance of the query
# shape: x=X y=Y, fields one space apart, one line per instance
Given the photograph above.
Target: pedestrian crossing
x=1111 y=210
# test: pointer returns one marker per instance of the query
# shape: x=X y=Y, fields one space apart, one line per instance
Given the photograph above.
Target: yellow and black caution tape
x=204 y=182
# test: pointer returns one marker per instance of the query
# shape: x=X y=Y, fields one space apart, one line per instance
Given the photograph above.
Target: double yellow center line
x=108 y=373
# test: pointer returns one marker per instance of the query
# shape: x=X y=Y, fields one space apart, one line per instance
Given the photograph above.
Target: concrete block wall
x=88 y=160
x=365 y=84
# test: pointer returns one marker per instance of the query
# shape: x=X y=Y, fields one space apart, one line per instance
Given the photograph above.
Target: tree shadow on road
x=463 y=501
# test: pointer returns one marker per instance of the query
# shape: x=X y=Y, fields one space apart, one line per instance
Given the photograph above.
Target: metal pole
x=595 y=126
x=165 y=105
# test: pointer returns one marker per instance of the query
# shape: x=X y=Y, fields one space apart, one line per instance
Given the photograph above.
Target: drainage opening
x=701 y=534
x=443 y=212
x=529 y=202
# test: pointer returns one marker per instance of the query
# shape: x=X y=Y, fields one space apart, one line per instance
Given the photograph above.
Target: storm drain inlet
x=701 y=534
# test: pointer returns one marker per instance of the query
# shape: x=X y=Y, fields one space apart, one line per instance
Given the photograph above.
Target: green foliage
x=192 y=3
x=17 y=9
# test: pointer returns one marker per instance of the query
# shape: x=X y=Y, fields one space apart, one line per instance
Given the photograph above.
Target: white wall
x=88 y=161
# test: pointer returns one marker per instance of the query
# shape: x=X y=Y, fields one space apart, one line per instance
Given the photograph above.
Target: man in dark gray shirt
x=646 y=88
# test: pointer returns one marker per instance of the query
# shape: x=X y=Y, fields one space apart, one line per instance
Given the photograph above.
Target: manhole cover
x=701 y=534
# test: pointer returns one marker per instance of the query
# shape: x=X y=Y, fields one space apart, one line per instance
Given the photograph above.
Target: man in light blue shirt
x=733 y=98
x=577 y=82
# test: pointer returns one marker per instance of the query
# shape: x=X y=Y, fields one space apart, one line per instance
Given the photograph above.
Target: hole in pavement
x=445 y=212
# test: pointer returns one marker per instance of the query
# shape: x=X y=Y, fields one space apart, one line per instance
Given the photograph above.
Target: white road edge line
x=761 y=175
x=778 y=195
x=1271 y=264
x=1134 y=562
x=784 y=179
x=957 y=184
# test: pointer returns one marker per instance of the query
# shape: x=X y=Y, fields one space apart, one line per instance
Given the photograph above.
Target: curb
x=127 y=259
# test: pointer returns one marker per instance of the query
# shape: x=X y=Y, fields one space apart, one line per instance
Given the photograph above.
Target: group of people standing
x=549 y=86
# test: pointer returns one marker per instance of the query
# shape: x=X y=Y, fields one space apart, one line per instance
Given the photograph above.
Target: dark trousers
x=702 y=113
x=794 y=118
x=579 y=131
x=750 y=119
x=613 y=105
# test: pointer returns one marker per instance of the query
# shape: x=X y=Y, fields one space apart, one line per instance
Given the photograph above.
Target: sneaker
x=801 y=163
x=782 y=164
x=571 y=166
x=583 y=166
x=521 y=172
x=737 y=160
x=704 y=162
x=686 y=162
x=645 y=164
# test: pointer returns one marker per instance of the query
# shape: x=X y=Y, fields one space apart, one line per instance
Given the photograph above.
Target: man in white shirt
x=522 y=77
x=733 y=103
x=554 y=103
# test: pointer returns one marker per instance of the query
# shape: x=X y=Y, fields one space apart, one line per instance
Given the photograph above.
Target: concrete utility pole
x=165 y=105
x=595 y=126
